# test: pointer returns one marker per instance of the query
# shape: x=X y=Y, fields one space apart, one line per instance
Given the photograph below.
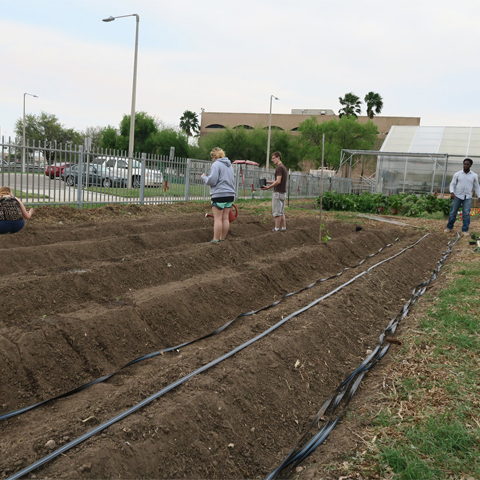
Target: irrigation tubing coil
x=95 y=381
x=328 y=413
x=335 y=400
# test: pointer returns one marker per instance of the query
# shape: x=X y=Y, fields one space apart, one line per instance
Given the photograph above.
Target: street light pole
x=269 y=130
x=134 y=90
x=23 y=137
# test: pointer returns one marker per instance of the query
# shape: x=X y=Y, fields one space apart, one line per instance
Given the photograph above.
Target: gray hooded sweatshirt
x=221 y=179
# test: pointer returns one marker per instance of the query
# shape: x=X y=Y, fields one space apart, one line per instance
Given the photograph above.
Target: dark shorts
x=8 y=226
x=222 y=202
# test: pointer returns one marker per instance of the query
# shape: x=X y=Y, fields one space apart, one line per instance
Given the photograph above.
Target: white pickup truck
x=117 y=168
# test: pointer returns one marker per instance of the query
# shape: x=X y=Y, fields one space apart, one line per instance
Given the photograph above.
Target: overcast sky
x=231 y=55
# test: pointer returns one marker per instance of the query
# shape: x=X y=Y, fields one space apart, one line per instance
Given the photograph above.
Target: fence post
x=142 y=179
x=86 y=164
x=444 y=176
x=237 y=179
x=187 y=179
x=261 y=175
x=80 y=177
x=28 y=165
x=288 y=187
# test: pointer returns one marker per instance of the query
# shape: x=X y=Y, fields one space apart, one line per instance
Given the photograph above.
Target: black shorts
x=223 y=199
x=222 y=202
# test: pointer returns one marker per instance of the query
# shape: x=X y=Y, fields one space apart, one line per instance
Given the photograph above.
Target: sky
x=231 y=55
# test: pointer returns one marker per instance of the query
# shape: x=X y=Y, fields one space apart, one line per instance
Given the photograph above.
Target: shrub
x=400 y=204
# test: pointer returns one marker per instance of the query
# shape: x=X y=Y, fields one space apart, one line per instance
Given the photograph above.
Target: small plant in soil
x=325 y=233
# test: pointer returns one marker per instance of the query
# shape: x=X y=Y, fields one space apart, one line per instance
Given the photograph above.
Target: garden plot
x=80 y=299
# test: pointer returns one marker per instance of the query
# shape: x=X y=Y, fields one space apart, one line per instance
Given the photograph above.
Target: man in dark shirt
x=279 y=194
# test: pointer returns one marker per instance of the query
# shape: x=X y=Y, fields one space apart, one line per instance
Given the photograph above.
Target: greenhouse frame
x=415 y=160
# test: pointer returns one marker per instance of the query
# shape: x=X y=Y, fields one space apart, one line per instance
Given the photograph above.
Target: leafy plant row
x=401 y=204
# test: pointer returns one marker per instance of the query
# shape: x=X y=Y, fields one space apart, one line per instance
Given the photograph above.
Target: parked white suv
x=118 y=169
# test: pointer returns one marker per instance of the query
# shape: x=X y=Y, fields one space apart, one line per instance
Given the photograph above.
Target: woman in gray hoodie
x=222 y=190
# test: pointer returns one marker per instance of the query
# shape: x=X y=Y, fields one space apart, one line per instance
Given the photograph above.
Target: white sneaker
x=447 y=230
x=465 y=234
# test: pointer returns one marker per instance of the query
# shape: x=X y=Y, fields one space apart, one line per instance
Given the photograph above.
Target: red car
x=56 y=169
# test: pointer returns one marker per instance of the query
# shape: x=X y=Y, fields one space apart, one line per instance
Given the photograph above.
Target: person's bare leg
x=225 y=223
x=277 y=222
x=217 y=223
x=283 y=222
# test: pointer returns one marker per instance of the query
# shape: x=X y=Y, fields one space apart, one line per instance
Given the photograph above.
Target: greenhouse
x=417 y=159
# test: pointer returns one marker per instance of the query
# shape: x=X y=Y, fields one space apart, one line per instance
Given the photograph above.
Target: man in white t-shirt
x=461 y=187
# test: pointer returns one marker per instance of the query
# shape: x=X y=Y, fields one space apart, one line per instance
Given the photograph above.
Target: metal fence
x=54 y=174
x=364 y=184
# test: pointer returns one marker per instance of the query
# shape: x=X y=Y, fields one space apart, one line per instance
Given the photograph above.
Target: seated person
x=12 y=212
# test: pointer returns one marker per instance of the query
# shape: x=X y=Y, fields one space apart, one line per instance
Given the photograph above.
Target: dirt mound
x=83 y=294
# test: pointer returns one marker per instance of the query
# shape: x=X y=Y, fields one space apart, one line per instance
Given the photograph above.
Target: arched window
x=273 y=127
x=215 y=125
x=294 y=129
x=246 y=127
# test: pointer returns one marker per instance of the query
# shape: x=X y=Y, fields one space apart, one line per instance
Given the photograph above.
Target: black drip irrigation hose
x=20 y=411
x=349 y=386
x=182 y=380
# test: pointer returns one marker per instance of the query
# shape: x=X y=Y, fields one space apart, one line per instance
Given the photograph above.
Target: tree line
x=152 y=137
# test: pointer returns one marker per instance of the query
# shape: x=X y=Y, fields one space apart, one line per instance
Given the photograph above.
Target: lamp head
x=109 y=19
x=276 y=98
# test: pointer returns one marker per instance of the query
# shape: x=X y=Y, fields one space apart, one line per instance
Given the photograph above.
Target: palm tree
x=374 y=104
x=351 y=105
x=189 y=123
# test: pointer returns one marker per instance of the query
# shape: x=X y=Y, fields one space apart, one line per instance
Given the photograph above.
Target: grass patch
x=433 y=216
x=25 y=196
x=432 y=448
x=173 y=190
x=428 y=425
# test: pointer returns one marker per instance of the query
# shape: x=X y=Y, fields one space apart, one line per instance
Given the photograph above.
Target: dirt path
x=83 y=297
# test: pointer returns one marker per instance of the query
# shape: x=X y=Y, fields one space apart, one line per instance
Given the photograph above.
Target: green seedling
x=325 y=234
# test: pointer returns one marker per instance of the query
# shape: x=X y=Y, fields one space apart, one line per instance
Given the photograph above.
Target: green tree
x=95 y=134
x=351 y=105
x=289 y=146
x=242 y=144
x=150 y=137
x=145 y=126
x=46 y=128
x=159 y=143
x=346 y=132
x=109 y=138
x=189 y=123
x=234 y=142
x=374 y=104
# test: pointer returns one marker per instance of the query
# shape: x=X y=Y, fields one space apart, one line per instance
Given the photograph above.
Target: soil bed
x=83 y=293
